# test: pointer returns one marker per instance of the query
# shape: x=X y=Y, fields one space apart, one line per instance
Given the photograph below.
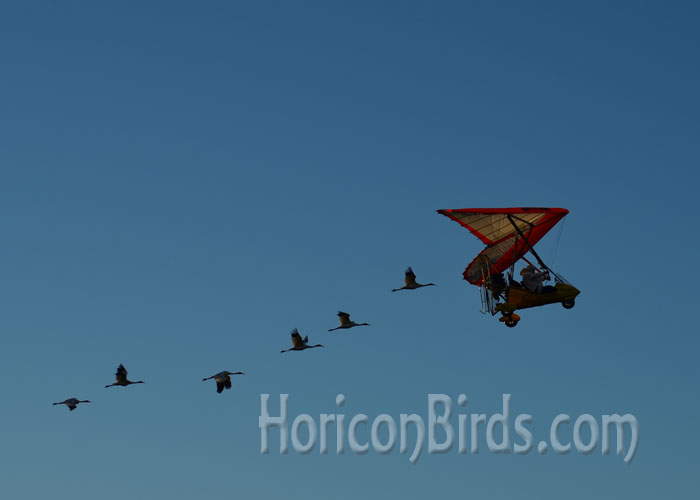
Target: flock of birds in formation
x=223 y=379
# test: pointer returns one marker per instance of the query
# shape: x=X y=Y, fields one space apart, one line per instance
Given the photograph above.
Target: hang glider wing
x=507 y=232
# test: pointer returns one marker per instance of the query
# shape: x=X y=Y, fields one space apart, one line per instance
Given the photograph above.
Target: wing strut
x=532 y=250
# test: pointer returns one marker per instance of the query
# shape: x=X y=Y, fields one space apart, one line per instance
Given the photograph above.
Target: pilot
x=532 y=278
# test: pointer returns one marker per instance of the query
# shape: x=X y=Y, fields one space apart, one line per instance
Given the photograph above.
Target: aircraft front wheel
x=568 y=304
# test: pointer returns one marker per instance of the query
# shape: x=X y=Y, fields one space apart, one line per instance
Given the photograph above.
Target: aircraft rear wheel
x=510 y=323
x=568 y=304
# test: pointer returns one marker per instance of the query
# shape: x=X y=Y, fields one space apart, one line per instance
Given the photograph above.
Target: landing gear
x=568 y=304
x=510 y=320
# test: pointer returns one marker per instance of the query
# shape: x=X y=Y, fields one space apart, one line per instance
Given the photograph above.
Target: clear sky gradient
x=182 y=183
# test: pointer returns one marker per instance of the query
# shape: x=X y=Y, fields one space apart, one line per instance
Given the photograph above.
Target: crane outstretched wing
x=121 y=373
x=410 y=278
x=296 y=338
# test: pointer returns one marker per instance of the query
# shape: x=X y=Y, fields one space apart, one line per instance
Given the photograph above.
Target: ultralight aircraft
x=509 y=234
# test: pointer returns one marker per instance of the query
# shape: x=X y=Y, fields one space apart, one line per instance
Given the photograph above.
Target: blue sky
x=183 y=183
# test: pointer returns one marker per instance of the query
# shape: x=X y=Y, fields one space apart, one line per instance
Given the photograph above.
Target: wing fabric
x=496 y=227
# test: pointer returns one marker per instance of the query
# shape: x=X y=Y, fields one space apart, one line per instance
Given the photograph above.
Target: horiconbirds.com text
x=445 y=427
